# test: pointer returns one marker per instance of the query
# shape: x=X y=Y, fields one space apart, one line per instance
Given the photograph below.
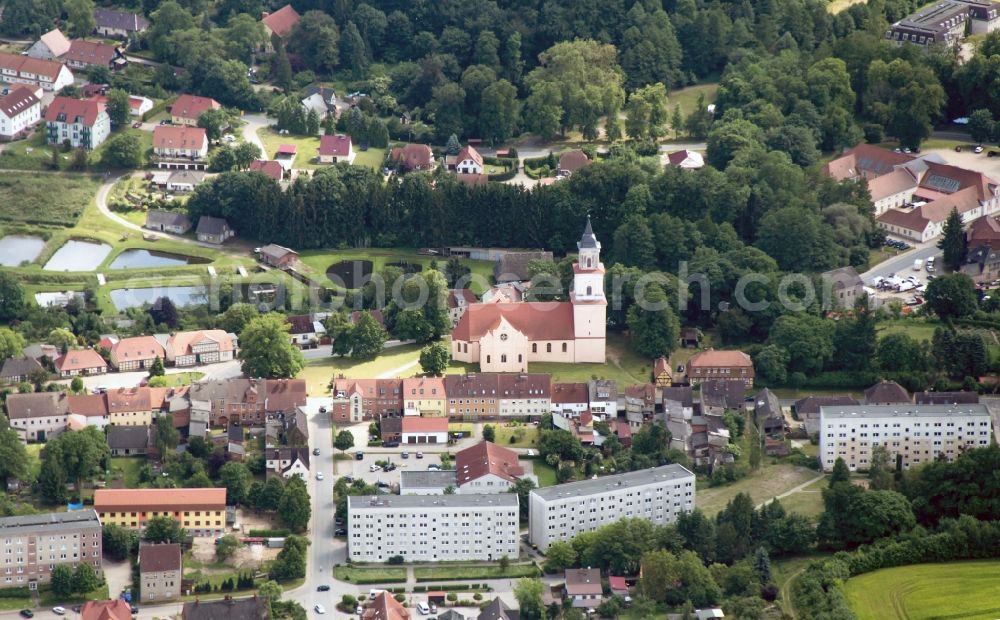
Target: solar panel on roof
x=942 y=183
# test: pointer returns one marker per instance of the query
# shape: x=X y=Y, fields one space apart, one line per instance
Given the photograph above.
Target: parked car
x=359 y=456
x=59 y=610
x=359 y=610
x=405 y=455
x=434 y=608
x=420 y=455
x=319 y=475
x=992 y=153
x=423 y=608
x=323 y=588
x=27 y=613
x=390 y=444
x=389 y=467
x=433 y=467
x=978 y=149
x=373 y=467
x=136 y=124
x=382 y=484
x=958 y=149
x=315 y=451
x=319 y=609
x=134 y=609
x=340 y=531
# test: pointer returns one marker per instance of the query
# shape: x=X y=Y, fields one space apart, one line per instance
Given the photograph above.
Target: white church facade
x=506 y=337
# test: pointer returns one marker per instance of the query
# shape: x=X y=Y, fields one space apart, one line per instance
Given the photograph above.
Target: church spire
x=588 y=240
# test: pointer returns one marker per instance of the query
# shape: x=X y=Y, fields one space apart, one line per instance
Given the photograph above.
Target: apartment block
x=432 y=528
x=917 y=433
x=658 y=495
x=524 y=395
x=35 y=544
x=160 y=568
x=202 y=512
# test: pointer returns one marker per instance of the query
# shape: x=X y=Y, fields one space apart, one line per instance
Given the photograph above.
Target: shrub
x=452 y=597
x=396 y=559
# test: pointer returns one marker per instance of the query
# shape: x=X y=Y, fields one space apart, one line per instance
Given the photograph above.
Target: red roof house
x=281 y=22
x=187 y=108
x=335 y=149
x=268 y=167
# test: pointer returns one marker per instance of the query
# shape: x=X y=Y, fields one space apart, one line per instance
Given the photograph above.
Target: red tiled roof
x=90 y=52
x=661 y=365
x=865 y=160
x=984 y=230
x=287 y=149
x=890 y=184
x=617 y=584
x=566 y=393
x=129 y=399
x=525 y=385
x=415 y=424
x=268 y=167
x=423 y=388
x=336 y=146
x=911 y=219
x=66 y=110
x=487 y=458
x=116 y=609
x=181 y=342
x=461 y=293
x=88 y=405
x=157 y=558
x=712 y=358
x=25 y=64
x=385 y=607
x=413 y=156
x=469 y=152
x=80 y=359
x=18 y=100
x=536 y=320
x=573 y=160
x=179 y=137
x=137 y=348
x=190 y=106
x=282 y=21
x=284 y=394
x=118 y=500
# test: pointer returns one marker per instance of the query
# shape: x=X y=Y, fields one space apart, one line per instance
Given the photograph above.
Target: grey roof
x=19 y=367
x=450 y=614
x=845 y=277
x=426 y=479
x=498 y=610
x=947 y=398
x=275 y=251
x=811 y=404
x=679 y=394
x=766 y=405
x=430 y=501
x=208 y=225
x=599 y=485
x=254 y=608
x=129 y=22
x=235 y=432
x=588 y=240
x=128 y=437
x=722 y=393
x=167 y=218
x=36 y=405
x=49 y=522
x=289 y=454
x=194 y=177
x=603 y=389
x=904 y=410
x=886 y=392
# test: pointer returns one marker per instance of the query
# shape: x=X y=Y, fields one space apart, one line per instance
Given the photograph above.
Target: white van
x=423 y=608
x=930 y=264
x=918 y=265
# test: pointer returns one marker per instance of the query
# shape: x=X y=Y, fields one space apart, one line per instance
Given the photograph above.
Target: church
x=506 y=337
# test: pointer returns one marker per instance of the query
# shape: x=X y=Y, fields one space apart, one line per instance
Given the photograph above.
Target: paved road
x=251 y=123
x=901 y=263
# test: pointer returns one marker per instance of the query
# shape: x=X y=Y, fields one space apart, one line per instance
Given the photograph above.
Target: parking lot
x=361 y=470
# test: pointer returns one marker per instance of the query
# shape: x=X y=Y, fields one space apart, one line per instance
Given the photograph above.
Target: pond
x=125 y=298
x=60 y=299
x=137 y=259
x=77 y=255
x=16 y=249
x=350 y=273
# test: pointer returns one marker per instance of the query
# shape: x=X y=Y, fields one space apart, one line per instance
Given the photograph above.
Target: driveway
x=251 y=123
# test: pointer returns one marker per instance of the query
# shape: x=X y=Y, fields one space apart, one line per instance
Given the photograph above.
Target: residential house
x=278 y=256
x=385 y=607
x=570 y=399
x=137 y=353
x=982 y=264
x=678 y=415
x=887 y=393
x=583 y=587
x=459 y=300
x=984 y=231
x=281 y=22
x=187 y=108
x=603 y=398
x=119 y=24
x=139 y=105
x=130 y=440
x=179 y=142
x=571 y=161
x=424 y=396
x=412 y=157
x=355 y=400
x=39 y=542
x=473 y=396
x=246 y=401
x=40 y=415
x=525 y=395
x=207 y=346
x=17 y=369
x=81 y=123
x=640 y=404
x=807 y=409
x=85 y=410
x=268 y=167
x=111 y=609
x=85 y=54
x=486 y=468
x=498 y=610
x=841 y=288
x=767 y=412
x=321 y=100
x=20 y=111
x=38 y=350
x=288 y=462
x=286 y=156
x=173 y=222
x=721 y=395
x=391 y=429
x=513 y=266
x=618 y=586
x=709 y=613
x=335 y=149
x=49 y=46
x=160 y=571
x=130 y=406
x=47 y=74
x=295 y=428
x=418 y=430
x=686 y=159
x=185 y=180
x=214 y=230
x=305 y=332
x=202 y=512
x=469 y=161
x=661 y=373
x=945 y=23
x=77 y=362
x=726 y=365
x=946 y=398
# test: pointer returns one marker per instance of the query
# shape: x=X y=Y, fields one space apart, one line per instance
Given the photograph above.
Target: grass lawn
x=318 y=372
x=34 y=154
x=545 y=473
x=369 y=575
x=462 y=572
x=836 y=6
x=687 y=98
x=10 y=604
x=129 y=466
x=918 y=329
x=47 y=599
x=623 y=365
x=45 y=199
x=965 y=590
x=372 y=158
x=524 y=436
x=767 y=482
x=183 y=378
x=306 y=146
x=807 y=501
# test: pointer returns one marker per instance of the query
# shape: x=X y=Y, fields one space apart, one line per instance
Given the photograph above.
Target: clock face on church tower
x=503 y=337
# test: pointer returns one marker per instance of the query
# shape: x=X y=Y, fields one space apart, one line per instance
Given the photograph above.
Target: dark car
x=315 y=451
x=134 y=609
x=360 y=456
x=340 y=531
x=77 y=608
x=27 y=613
x=388 y=467
x=323 y=588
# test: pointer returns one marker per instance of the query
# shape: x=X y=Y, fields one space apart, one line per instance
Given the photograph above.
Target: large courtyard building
x=202 y=512
x=917 y=433
x=36 y=544
x=658 y=495
x=432 y=528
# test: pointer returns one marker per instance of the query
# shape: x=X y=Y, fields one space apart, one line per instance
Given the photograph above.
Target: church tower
x=590 y=307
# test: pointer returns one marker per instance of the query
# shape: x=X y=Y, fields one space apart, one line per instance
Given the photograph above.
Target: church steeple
x=589 y=249
x=588 y=240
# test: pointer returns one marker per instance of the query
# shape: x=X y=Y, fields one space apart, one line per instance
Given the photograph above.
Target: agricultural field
x=51 y=199
x=967 y=590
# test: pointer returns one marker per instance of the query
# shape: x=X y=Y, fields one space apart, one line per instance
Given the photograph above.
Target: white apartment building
x=658 y=495
x=20 y=110
x=432 y=528
x=919 y=433
x=35 y=544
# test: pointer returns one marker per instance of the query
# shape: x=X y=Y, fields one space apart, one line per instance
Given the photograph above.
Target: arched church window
x=548 y=348
x=534 y=347
x=503 y=359
x=564 y=347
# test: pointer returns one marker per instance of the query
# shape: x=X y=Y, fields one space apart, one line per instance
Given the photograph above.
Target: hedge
x=503 y=176
x=269 y=533
x=15 y=593
x=157 y=108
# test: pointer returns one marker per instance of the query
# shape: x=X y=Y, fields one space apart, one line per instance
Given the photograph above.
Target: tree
x=879 y=469
x=452 y=147
x=123 y=150
x=294 y=507
x=762 y=564
x=213 y=121
x=62 y=580
x=266 y=348
x=162 y=529
x=244 y=154
x=271 y=591
x=236 y=317
x=528 y=593
x=119 y=107
x=899 y=352
x=76 y=385
x=953 y=243
x=807 y=339
x=344 y=441
x=653 y=326
x=164 y=312
x=982 y=128
x=80 y=15
x=76 y=457
x=316 y=40
x=367 y=338
x=11 y=297
x=447 y=104
x=167 y=437
x=52 y=477
x=353 y=52
x=489 y=433
x=559 y=556
x=523 y=488
x=952 y=296
x=11 y=342
x=226 y=546
x=270 y=496
x=119 y=542
x=236 y=477
x=156 y=369
x=291 y=560
x=85 y=580
x=499 y=112
x=281 y=68
x=434 y=358
x=62 y=339
x=13 y=454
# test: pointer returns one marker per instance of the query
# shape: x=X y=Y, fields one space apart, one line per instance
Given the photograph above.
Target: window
x=503 y=359
x=548 y=347
x=590 y=291
x=564 y=347
x=534 y=347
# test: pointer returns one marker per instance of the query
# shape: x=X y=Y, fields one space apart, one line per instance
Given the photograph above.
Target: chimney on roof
x=264 y=14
